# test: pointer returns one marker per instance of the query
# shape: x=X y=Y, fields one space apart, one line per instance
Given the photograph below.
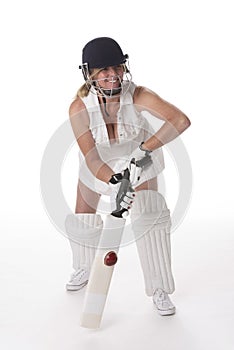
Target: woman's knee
x=87 y=200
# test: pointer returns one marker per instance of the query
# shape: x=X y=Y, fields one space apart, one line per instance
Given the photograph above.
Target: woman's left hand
x=135 y=169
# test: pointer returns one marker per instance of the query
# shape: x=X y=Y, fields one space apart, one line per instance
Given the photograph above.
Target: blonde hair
x=84 y=89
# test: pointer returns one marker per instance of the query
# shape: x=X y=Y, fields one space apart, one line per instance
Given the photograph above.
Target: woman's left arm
x=175 y=120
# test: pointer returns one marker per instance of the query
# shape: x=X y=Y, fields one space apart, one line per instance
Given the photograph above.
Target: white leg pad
x=84 y=232
x=151 y=224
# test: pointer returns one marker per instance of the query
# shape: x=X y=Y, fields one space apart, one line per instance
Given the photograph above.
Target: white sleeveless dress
x=132 y=128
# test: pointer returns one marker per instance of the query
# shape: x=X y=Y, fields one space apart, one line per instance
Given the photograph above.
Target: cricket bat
x=106 y=256
x=105 y=260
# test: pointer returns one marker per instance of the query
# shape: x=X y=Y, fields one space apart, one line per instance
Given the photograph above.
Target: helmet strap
x=104 y=103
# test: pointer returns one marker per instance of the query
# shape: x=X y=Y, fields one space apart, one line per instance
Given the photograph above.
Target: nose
x=112 y=71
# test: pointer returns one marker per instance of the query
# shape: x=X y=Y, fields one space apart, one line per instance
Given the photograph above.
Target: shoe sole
x=73 y=288
x=166 y=312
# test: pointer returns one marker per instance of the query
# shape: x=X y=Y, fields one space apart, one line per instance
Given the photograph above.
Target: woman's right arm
x=79 y=119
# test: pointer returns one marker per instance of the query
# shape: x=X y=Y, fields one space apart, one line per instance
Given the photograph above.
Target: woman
x=110 y=126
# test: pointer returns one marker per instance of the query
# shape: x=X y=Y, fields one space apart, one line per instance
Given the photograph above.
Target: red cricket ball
x=110 y=259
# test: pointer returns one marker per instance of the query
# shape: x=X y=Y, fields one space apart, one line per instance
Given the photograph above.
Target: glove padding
x=139 y=159
x=135 y=172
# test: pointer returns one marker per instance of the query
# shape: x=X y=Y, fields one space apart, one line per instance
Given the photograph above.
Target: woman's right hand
x=120 y=200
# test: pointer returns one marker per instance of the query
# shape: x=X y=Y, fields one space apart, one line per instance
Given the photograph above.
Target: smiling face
x=110 y=77
x=110 y=82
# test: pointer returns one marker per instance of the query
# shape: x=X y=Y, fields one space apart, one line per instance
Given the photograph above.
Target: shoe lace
x=160 y=295
x=78 y=272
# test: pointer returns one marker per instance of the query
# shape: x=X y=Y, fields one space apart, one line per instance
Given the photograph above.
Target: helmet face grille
x=91 y=82
x=102 y=52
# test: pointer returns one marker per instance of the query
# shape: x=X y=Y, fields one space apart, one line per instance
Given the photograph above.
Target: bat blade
x=101 y=272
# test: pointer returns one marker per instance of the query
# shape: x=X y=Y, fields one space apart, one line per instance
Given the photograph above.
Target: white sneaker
x=78 y=280
x=163 y=303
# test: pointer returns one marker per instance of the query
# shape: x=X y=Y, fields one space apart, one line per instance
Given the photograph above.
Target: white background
x=183 y=50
